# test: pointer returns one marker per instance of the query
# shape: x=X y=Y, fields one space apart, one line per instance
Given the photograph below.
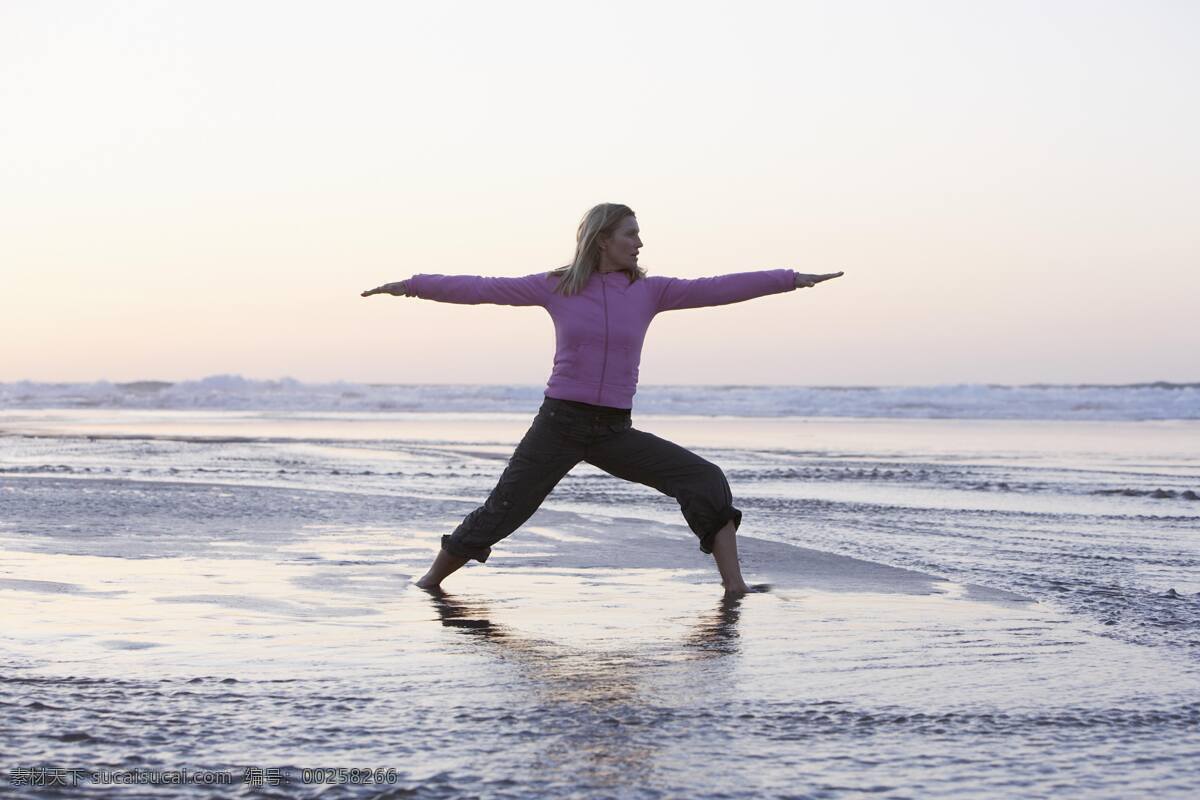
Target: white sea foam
x=1149 y=401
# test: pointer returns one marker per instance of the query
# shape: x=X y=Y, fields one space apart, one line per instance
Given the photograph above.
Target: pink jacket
x=599 y=332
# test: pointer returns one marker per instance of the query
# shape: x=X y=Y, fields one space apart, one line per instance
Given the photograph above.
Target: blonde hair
x=599 y=222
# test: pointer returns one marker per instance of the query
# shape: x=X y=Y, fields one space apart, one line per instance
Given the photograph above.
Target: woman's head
x=608 y=234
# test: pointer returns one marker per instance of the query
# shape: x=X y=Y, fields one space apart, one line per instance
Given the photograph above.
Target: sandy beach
x=232 y=592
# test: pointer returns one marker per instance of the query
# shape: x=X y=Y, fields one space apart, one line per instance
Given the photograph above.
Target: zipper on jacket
x=604 y=362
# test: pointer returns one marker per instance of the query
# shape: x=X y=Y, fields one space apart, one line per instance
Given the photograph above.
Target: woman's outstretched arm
x=530 y=290
x=674 y=293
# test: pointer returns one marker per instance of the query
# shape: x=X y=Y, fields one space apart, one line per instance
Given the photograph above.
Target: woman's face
x=620 y=250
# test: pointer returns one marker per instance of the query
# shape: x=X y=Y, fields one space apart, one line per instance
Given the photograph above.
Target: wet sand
x=222 y=622
x=561 y=663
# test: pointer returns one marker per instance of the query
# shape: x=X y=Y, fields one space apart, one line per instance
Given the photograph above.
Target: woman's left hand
x=396 y=289
x=808 y=281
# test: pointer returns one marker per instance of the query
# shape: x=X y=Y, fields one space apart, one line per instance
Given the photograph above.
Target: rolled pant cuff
x=479 y=554
x=730 y=513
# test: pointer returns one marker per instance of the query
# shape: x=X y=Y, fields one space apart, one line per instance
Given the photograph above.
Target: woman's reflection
x=599 y=723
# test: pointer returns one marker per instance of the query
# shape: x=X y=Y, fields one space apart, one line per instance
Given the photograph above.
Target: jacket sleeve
x=530 y=290
x=721 y=289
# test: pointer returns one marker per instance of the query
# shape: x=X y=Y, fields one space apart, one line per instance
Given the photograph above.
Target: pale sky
x=191 y=188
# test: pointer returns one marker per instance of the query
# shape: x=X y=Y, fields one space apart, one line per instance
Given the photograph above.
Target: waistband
x=587 y=408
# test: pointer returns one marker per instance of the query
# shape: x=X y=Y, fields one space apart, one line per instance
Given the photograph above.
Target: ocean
x=976 y=591
x=1144 y=401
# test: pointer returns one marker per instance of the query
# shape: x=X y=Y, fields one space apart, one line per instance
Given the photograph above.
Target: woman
x=601 y=303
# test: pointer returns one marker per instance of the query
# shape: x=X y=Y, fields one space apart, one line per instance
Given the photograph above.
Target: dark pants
x=564 y=433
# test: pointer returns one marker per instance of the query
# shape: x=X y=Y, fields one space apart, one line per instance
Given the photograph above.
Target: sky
x=198 y=188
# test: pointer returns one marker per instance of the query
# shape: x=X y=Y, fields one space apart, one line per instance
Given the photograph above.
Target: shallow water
x=957 y=608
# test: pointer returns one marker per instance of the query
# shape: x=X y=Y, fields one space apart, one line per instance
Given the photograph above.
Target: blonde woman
x=601 y=303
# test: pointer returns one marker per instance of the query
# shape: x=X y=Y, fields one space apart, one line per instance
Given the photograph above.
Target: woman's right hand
x=396 y=289
x=806 y=281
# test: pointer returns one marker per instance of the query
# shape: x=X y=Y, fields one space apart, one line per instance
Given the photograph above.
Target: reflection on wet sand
x=714 y=633
x=603 y=687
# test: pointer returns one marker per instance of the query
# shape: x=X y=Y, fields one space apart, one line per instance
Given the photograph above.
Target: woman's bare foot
x=443 y=564
x=744 y=588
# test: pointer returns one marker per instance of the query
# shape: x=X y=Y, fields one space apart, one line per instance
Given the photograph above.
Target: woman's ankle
x=444 y=564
